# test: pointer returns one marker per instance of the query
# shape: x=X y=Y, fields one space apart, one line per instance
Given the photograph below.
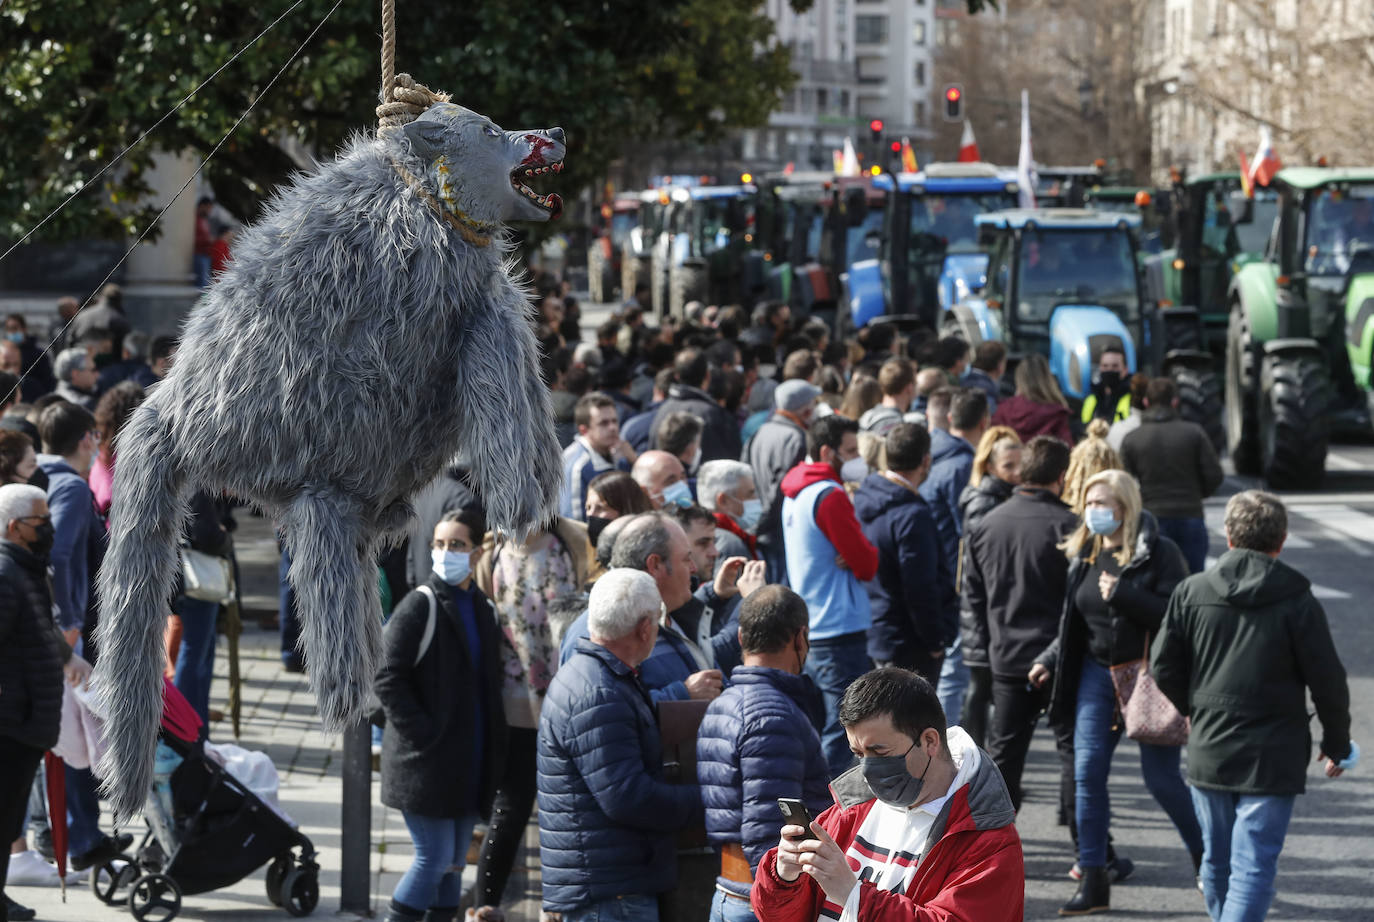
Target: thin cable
x=105 y=169
x=172 y=202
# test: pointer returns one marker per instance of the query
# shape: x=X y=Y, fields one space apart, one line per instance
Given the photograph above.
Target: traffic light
x=896 y=148
x=876 y=127
x=954 y=102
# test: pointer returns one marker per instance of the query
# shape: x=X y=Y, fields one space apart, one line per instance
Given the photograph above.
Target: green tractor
x=1299 y=337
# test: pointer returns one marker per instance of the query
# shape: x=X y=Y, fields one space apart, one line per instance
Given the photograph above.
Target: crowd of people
x=783 y=649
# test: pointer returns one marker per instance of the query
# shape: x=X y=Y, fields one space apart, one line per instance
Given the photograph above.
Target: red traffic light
x=953 y=94
x=896 y=147
x=876 y=126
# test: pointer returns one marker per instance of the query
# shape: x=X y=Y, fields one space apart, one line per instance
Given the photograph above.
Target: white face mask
x=451 y=566
x=854 y=470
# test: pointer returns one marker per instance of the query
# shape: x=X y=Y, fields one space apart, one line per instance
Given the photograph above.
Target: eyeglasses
x=30 y=518
x=452 y=544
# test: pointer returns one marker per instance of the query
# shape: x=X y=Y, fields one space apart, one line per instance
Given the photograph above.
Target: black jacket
x=1175 y=463
x=976 y=501
x=720 y=435
x=1016 y=577
x=32 y=651
x=427 y=751
x=1241 y=646
x=1136 y=607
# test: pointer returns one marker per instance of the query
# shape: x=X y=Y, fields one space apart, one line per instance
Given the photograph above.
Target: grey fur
x=355 y=344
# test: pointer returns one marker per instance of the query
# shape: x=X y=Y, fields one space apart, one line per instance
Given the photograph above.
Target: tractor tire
x=1200 y=400
x=1242 y=396
x=1293 y=424
x=658 y=288
x=597 y=274
x=685 y=285
x=634 y=271
x=1183 y=333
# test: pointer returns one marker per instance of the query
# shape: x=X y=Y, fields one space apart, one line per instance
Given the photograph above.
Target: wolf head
x=477 y=169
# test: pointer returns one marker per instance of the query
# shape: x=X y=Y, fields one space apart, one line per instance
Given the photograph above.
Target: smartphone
x=794 y=813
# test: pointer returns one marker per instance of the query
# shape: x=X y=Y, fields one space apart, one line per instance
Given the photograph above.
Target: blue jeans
x=286 y=618
x=200 y=266
x=833 y=664
x=435 y=877
x=196 y=660
x=953 y=683
x=1243 y=835
x=635 y=907
x=730 y=909
x=83 y=810
x=1094 y=741
x=1191 y=537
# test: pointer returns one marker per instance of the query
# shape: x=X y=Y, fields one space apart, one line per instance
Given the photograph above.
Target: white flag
x=1025 y=163
x=849 y=166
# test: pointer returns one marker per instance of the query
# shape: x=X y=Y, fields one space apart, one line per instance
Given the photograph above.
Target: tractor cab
x=1138 y=200
x=1065 y=186
x=929 y=256
x=618 y=219
x=701 y=256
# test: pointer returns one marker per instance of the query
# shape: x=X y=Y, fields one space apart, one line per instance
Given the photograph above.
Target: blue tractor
x=1066 y=283
x=929 y=257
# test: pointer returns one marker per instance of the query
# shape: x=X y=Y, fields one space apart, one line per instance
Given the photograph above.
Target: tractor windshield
x=1340 y=223
x=1090 y=266
x=862 y=241
x=949 y=216
x=1254 y=236
x=622 y=222
x=718 y=219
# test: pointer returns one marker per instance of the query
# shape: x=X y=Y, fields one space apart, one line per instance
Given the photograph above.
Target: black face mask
x=1110 y=379
x=595 y=526
x=41 y=545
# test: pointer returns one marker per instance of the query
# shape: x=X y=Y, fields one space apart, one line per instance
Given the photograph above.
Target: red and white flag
x=1265 y=164
x=968 y=145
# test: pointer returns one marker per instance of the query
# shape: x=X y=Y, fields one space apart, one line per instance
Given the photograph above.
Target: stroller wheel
x=276 y=873
x=155 y=898
x=109 y=880
x=300 y=892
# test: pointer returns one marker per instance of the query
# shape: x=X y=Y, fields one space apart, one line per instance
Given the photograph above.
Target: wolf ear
x=426 y=137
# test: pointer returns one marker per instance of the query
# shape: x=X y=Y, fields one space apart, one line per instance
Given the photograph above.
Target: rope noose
x=403 y=100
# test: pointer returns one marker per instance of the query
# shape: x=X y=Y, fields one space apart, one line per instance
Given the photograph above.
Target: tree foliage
x=80 y=81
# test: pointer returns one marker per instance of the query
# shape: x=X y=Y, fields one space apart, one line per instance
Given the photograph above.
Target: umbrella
x=55 y=770
x=233 y=627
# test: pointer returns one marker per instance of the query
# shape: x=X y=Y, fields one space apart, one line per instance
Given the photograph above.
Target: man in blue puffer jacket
x=757 y=743
x=608 y=821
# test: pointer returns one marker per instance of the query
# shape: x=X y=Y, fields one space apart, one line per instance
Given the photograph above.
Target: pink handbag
x=1149 y=715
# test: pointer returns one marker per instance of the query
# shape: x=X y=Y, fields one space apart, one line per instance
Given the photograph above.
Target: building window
x=870 y=30
x=920 y=73
x=920 y=113
x=918 y=32
x=822 y=101
x=844 y=102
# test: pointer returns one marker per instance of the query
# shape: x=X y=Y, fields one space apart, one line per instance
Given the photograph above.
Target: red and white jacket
x=965 y=865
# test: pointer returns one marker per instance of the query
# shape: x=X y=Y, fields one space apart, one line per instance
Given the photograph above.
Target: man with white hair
x=76 y=377
x=726 y=489
x=608 y=821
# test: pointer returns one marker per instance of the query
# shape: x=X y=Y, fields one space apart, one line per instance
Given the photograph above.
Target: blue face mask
x=677 y=494
x=749 y=518
x=15 y=337
x=451 y=566
x=1100 y=520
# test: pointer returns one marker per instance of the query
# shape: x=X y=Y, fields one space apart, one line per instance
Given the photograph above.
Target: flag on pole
x=1246 y=185
x=1266 y=162
x=968 y=145
x=909 y=164
x=837 y=161
x=1025 y=163
x=851 y=160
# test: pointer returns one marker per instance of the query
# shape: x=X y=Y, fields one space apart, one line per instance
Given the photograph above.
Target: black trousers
x=1016 y=709
x=18 y=763
x=977 y=703
x=510 y=814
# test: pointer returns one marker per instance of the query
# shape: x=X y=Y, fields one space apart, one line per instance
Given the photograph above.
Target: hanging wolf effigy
x=368 y=328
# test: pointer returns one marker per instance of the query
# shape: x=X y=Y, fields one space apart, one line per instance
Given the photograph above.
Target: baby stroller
x=206 y=830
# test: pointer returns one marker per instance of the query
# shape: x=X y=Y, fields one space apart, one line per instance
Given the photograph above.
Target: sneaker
x=43 y=842
x=28 y=869
x=18 y=913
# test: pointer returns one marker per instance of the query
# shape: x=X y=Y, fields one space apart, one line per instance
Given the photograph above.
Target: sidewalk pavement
x=279 y=718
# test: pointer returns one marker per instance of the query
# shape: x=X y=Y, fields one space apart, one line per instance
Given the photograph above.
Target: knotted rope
x=403 y=100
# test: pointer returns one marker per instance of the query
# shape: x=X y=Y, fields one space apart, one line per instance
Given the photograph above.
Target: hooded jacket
x=1030 y=419
x=951 y=464
x=818 y=524
x=969 y=868
x=975 y=502
x=1241 y=646
x=1137 y=607
x=720 y=432
x=915 y=611
x=776 y=448
x=880 y=419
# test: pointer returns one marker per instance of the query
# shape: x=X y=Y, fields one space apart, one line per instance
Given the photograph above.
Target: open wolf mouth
x=550 y=202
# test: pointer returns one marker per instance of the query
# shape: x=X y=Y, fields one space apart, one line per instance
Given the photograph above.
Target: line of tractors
x=1260 y=306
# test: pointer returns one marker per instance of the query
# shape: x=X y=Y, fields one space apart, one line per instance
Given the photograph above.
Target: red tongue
x=556 y=205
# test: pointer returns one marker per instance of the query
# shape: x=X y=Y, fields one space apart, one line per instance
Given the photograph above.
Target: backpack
x=377 y=716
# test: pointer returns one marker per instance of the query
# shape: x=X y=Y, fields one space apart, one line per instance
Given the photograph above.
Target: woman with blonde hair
x=1121 y=573
x=862 y=395
x=1090 y=457
x=1039 y=407
x=996 y=472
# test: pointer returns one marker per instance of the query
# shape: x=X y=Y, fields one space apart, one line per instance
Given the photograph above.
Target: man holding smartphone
x=757 y=743
x=922 y=828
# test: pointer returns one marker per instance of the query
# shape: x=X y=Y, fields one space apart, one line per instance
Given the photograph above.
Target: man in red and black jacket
x=922 y=829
